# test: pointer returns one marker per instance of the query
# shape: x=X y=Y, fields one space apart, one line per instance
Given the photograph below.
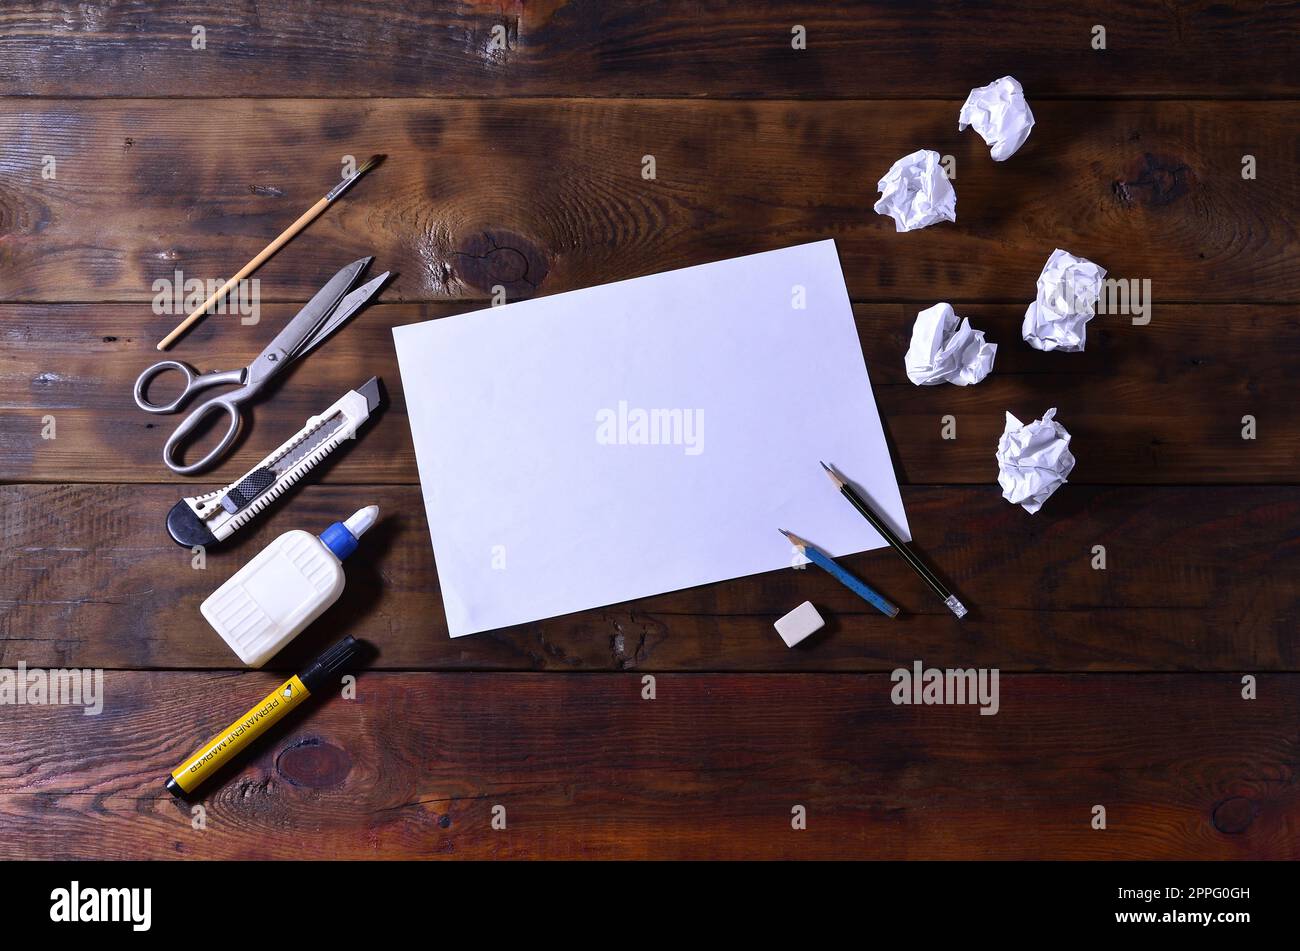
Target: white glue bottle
x=284 y=588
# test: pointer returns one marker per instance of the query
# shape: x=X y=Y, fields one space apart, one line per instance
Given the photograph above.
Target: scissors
x=325 y=312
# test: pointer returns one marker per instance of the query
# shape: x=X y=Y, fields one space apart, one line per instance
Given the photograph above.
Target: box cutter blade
x=211 y=518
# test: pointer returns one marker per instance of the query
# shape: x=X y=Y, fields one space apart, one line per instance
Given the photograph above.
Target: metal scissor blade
x=348 y=306
x=298 y=331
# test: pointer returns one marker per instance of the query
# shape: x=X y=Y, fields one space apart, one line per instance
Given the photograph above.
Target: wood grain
x=546 y=196
x=711 y=768
x=1160 y=403
x=519 y=166
x=630 y=48
x=1195 y=579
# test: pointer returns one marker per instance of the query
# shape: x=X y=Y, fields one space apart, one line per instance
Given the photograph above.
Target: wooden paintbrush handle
x=302 y=222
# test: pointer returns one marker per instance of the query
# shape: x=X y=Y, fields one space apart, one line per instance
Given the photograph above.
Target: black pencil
x=898 y=544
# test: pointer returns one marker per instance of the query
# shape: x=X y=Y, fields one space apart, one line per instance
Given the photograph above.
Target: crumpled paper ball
x=1068 y=289
x=999 y=113
x=1033 y=460
x=945 y=348
x=915 y=192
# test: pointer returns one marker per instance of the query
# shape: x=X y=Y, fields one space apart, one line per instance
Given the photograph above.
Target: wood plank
x=1161 y=403
x=711 y=768
x=628 y=48
x=546 y=196
x=1195 y=579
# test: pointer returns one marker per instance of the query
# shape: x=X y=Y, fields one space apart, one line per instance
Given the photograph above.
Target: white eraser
x=799 y=623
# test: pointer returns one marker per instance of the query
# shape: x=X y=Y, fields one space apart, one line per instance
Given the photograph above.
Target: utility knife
x=208 y=519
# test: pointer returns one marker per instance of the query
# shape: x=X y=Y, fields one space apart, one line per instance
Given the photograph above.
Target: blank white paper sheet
x=625 y=440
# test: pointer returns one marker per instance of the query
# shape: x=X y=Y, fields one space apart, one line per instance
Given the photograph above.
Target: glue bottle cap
x=341 y=537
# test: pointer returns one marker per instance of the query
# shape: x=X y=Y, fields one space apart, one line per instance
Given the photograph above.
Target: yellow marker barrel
x=190 y=774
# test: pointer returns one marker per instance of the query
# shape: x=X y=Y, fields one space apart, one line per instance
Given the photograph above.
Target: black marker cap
x=324 y=667
x=174 y=788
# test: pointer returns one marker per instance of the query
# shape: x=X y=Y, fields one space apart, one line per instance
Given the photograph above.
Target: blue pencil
x=854 y=584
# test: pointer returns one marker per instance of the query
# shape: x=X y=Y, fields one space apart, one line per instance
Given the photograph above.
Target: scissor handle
x=225 y=404
x=194 y=382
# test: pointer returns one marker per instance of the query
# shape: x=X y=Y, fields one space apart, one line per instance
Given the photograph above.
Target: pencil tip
x=831 y=474
x=794 y=539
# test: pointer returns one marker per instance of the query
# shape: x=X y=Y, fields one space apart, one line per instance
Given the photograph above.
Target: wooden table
x=515 y=136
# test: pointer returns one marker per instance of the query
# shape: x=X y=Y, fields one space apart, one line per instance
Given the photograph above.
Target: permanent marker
x=188 y=776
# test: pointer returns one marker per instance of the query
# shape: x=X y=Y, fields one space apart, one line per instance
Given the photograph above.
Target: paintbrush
x=852 y=582
x=307 y=217
x=889 y=535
